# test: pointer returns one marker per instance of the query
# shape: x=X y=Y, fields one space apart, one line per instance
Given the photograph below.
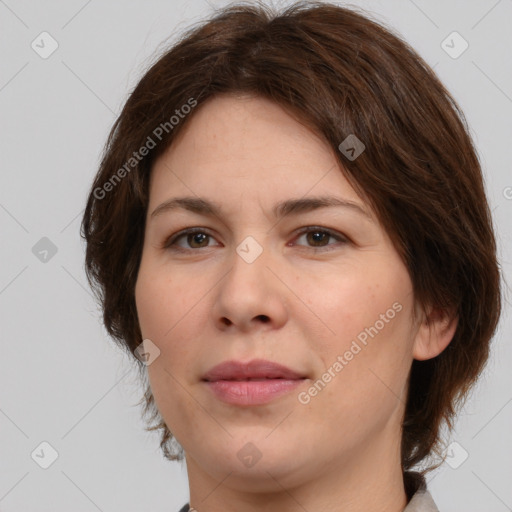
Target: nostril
x=263 y=318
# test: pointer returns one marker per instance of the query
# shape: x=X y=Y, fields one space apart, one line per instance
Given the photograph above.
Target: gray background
x=62 y=379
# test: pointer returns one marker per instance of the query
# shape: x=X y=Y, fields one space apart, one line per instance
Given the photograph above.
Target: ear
x=435 y=332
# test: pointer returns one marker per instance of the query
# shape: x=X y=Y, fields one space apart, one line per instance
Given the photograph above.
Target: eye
x=195 y=238
x=198 y=238
x=318 y=236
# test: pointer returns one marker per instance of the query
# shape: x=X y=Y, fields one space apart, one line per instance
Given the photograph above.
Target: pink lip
x=231 y=381
x=255 y=369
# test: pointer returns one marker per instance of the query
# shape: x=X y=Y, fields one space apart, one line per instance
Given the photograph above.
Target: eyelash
x=170 y=243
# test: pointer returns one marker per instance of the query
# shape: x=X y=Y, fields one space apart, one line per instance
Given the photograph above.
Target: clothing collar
x=420 y=500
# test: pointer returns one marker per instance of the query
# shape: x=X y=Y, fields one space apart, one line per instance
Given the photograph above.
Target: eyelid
x=169 y=243
x=340 y=237
x=171 y=240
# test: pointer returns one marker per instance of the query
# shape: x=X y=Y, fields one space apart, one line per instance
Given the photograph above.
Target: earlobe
x=434 y=335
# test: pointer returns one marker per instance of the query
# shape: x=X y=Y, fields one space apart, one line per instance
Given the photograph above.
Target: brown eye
x=195 y=239
x=317 y=237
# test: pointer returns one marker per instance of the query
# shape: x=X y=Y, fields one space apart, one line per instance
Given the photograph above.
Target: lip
x=253 y=383
x=254 y=369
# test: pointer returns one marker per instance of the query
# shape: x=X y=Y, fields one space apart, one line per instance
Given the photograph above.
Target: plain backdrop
x=63 y=382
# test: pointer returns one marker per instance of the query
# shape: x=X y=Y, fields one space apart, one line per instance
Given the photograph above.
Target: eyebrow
x=289 y=207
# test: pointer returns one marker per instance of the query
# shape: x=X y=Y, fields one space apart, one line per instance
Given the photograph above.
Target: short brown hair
x=340 y=73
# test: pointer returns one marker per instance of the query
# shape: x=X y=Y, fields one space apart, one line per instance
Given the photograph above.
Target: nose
x=251 y=294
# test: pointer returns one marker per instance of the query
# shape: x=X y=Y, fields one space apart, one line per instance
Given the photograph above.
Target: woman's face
x=333 y=305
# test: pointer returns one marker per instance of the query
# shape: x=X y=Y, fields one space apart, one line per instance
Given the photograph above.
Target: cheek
x=175 y=403
x=163 y=303
x=368 y=315
x=166 y=318
x=172 y=315
x=355 y=301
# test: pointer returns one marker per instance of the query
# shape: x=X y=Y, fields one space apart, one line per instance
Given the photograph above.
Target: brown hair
x=340 y=73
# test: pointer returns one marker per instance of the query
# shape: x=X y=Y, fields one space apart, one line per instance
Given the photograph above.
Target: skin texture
x=301 y=303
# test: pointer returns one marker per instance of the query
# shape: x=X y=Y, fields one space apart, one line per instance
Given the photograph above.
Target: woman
x=289 y=232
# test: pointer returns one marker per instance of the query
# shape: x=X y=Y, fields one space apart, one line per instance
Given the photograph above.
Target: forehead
x=238 y=148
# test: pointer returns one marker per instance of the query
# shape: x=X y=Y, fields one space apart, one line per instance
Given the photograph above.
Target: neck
x=374 y=483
